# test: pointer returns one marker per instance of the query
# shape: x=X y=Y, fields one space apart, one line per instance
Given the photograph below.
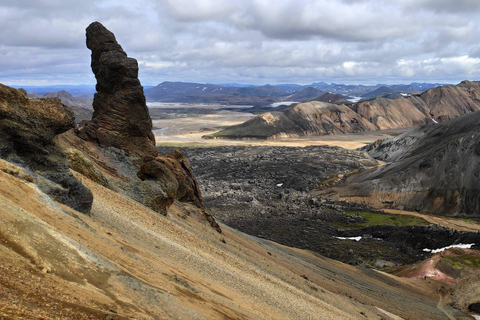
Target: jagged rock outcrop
x=434 y=105
x=121 y=117
x=28 y=128
x=435 y=169
x=119 y=139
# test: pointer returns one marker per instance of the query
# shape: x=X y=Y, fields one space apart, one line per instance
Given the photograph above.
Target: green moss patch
x=379 y=218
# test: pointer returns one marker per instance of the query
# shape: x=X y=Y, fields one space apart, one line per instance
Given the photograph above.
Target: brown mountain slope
x=309 y=118
x=446 y=102
x=434 y=168
x=389 y=114
x=126 y=261
x=434 y=105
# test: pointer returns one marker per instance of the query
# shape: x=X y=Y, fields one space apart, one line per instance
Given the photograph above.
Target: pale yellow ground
x=189 y=131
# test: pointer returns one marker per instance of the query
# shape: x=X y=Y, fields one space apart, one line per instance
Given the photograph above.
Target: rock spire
x=121 y=118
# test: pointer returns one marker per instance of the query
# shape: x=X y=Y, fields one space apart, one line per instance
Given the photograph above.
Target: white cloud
x=253 y=40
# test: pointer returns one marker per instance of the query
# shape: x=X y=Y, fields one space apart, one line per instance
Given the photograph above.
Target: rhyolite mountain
x=313 y=118
x=434 y=168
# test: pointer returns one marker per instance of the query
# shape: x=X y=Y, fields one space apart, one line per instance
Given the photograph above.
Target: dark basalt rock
x=121 y=117
x=121 y=129
x=27 y=131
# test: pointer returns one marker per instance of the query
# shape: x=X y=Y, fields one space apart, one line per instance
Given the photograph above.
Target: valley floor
x=186 y=128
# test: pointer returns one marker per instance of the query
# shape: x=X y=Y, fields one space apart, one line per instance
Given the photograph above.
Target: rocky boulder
x=28 y=128
x=121 y=118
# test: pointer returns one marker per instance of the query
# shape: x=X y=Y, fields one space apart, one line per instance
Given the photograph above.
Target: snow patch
x=349 y=238
x=463 y=246
x=279 y=185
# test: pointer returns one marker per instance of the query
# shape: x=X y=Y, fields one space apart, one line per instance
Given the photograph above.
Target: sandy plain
x=186 y=128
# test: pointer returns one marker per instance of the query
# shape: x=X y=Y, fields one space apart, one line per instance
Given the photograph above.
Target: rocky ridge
x=313 y=118
x=434 y=168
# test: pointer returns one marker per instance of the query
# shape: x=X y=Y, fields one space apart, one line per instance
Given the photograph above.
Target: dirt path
x=440 y=306
x=452 y=223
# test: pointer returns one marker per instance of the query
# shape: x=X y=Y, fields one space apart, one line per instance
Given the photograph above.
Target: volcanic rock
x=119 y=137
x=435 y=169
x=27 y=131
x=121 y=118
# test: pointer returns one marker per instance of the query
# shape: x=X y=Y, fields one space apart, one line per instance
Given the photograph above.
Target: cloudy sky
x=246 y=41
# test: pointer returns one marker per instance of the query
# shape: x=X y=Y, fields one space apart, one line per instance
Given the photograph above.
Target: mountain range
x=260 y=95
x=318 y=118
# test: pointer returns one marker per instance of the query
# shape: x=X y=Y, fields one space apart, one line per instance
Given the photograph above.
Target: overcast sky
x=246 y=41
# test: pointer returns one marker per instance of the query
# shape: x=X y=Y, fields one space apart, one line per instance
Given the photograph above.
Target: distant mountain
x=70 y=100
x=262 y=91
x=290 y=88
x=75 y=90
x=307 y=94
x=206 y=93
x=185 y=92
x=333 y=98
x=377 y=92
x=82 y=108
x=311 y=118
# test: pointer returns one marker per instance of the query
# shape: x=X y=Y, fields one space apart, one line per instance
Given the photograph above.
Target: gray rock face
x=121 y=117
x=27 y=131
x=436 y=169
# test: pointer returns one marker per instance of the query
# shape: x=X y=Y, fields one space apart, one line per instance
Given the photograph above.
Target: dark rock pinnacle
x=121 y=118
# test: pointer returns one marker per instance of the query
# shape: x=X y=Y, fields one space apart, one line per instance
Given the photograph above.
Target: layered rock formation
x=435 y=168
x=28 y=128
x=434 y=105
x=119 y=139
x=121 y=117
